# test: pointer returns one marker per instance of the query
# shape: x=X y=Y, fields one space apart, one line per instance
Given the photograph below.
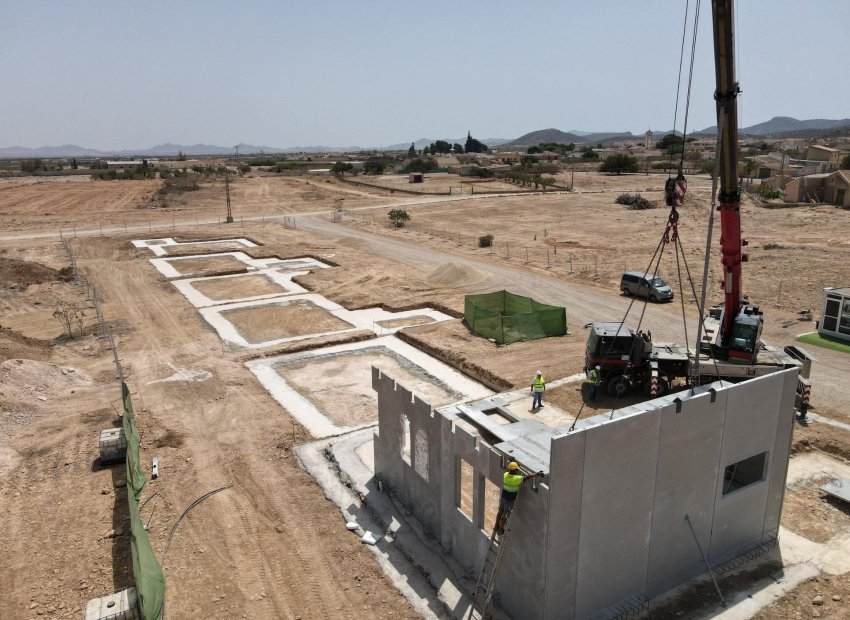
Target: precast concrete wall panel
x=685 y=485
x=617 y=494
x=467 y=541
x=419 y=490
x=749 y=429
x=781 y=452
x=565 y=506
x=521 y=578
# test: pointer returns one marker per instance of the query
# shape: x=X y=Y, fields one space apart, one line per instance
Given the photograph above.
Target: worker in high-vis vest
x=538 y=386
x=512 y=480
x=594 y=378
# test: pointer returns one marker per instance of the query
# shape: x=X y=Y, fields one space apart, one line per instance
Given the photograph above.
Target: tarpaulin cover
x=507 y=318
x=150 y=583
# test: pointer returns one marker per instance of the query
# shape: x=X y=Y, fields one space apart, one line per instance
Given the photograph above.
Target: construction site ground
x=272 y=545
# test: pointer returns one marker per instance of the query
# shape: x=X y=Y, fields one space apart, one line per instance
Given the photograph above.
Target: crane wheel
x=618 y=386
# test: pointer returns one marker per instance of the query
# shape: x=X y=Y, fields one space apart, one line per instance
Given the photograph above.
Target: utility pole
x=229 y=219
x=237 y=155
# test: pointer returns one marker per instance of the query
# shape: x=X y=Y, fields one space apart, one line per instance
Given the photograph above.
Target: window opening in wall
x=744 y=473
x=405 y=439
x=466 y=475
x=491 y=504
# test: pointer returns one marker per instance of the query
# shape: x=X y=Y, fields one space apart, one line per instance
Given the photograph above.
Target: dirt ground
x=275 y=321
x=341 y=385
x=237 y=288
x=272 y=545
x=442 y=183
x=206 y=266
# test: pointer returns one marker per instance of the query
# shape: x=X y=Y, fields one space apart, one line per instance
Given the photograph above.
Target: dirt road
x=585 y=303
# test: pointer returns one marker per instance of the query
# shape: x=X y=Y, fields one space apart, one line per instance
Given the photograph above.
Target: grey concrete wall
x=687 y=465
x=616 y=511
x=609 y=523
x=642 y=472
x=565 y=513
x=434 y=501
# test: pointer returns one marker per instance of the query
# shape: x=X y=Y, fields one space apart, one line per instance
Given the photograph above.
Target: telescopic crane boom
x=741 y=323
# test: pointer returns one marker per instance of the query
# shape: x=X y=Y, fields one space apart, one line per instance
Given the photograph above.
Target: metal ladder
x=487 y=576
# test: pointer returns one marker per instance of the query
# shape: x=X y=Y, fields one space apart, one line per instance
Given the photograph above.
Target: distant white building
x=647 y=139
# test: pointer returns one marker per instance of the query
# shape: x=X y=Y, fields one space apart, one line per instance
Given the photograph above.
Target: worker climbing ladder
x=487 y=576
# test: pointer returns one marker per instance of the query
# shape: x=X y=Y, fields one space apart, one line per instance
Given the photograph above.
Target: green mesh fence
x=150 y=583
x=507 y=318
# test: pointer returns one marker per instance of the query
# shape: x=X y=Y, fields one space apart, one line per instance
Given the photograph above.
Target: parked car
x=645 y=285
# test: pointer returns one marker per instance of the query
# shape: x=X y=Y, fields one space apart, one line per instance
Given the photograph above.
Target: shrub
x=768 y=193
x=398 y=217
x=485 y=241
x=634 y=201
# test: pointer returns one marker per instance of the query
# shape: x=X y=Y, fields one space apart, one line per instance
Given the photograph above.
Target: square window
x=744 y=473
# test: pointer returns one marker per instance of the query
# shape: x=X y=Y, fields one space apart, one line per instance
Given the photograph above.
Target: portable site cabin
x=835 y=314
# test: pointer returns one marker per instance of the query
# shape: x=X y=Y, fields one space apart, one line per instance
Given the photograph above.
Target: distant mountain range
x=777 y=127
x=785 y=126
x=191 y=150
x=556 y=135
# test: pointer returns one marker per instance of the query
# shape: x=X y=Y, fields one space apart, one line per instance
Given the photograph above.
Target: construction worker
x=538 y=386
x=594 y=379
x=512 y=479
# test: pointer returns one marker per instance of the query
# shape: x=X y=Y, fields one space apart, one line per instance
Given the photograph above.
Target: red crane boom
x=740 y=326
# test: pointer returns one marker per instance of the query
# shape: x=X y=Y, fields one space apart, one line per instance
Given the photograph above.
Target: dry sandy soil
x=272 y=545
x=273 y=321
x=237 y=288
x=440 y=183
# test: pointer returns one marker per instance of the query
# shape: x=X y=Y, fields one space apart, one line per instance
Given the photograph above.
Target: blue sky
x=130 y=75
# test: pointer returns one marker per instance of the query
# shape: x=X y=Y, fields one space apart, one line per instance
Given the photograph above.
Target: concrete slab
x=357 y=319
x=313 y=414
x=839 y=489
x=282 y=280
x=161 y=246
x=170 y=267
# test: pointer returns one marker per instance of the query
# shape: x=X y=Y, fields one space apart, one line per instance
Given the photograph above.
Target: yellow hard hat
x=513 y=466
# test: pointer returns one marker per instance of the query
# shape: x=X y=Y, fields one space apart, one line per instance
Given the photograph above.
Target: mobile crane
x=731 y=347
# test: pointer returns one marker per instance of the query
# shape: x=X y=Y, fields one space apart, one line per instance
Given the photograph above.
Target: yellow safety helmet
x=513 y=466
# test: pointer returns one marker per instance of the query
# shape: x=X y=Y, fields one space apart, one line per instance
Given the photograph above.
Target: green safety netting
x=150 y=583
x=507 y=318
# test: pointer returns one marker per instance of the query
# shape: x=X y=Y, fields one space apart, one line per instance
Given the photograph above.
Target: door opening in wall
x=465 y=498
x=405 y=439
x=744 y=473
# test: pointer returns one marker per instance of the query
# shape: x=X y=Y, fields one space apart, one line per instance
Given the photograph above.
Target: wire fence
x=147 y=572
x=559 y=260
x=92 y=297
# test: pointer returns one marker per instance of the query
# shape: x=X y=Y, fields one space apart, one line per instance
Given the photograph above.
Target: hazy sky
x=115 y=74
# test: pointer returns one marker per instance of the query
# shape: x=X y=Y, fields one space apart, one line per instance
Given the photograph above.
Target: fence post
x=548 y=265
